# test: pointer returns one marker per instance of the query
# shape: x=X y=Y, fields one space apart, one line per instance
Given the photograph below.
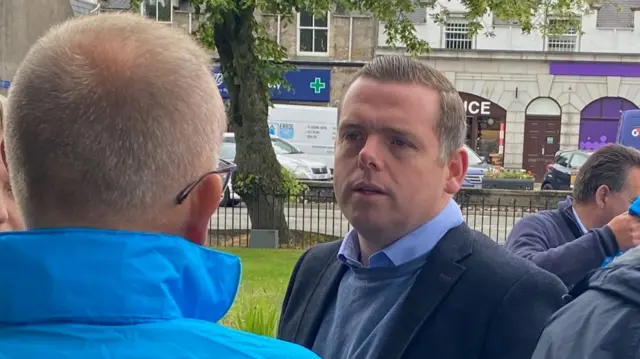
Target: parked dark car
x=562 y=172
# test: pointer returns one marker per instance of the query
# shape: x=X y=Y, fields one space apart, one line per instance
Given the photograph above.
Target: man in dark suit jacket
x=411 y=280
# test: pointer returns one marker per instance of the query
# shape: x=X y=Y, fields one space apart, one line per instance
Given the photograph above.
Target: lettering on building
x=478 y=108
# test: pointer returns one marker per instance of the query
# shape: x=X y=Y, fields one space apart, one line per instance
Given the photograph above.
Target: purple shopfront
x=599 y=119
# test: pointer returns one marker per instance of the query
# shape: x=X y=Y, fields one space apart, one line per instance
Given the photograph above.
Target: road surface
x=327 y=219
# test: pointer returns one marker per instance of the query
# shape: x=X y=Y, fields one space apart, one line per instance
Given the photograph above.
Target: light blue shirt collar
x=415 y=244
x=582 y=227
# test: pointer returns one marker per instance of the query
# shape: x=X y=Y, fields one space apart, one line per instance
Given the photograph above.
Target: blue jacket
x=82 y=293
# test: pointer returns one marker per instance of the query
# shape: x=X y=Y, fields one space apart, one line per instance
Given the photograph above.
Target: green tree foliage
x=251 y=61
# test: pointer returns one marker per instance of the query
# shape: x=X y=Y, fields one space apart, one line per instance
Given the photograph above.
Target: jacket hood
x=111 y=278
x=621 y=277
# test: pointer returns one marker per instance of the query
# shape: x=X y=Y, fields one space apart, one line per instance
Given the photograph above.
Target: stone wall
x=185 y=21
x=22 y=22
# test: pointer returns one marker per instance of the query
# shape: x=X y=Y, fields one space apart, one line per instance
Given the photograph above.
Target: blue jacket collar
x=111 y=277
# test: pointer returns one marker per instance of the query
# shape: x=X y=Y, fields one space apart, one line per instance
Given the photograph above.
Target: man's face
x=389 y=178
x=619 y=202
x=10 y=218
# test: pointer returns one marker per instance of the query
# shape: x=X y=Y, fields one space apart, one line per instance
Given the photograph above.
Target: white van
x=312 y=129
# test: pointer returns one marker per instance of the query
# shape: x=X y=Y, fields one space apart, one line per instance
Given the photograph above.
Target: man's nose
x=371 y=153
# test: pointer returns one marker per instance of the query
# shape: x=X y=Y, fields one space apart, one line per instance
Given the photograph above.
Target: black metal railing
x=315 y=217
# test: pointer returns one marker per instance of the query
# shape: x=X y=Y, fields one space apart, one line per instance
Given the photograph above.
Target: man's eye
x=399 y=142
x=352 y=136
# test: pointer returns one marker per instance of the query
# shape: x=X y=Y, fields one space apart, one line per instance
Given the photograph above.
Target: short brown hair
x=451 y=128
x=608 y=166
x=110 y=116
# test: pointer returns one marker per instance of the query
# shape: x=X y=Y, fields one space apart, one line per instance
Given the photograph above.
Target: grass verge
x=265 y=275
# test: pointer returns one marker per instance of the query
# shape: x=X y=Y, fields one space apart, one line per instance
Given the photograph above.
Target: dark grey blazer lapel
x=440 y=273
x=325 y=290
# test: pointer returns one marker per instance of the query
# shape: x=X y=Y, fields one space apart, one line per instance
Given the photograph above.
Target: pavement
x=327 y=219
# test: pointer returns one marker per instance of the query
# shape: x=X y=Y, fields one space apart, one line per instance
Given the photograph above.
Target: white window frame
x=313 y=53
x=456 y=19
x=143 y=8
x=567 y=37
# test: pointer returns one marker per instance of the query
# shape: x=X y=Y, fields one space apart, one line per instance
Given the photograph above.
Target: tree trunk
x=248 y=119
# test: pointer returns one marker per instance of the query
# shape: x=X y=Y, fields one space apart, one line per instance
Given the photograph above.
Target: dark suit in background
x=471 y=300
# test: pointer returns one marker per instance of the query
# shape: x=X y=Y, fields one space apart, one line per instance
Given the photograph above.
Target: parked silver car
x=287 y=154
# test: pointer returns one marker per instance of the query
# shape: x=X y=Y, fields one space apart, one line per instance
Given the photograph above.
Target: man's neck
x=374 y=242
x=368 y=248
x=586 y=215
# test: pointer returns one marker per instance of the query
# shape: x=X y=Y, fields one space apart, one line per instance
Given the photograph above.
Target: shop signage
x=478 y=107
x=308 y=85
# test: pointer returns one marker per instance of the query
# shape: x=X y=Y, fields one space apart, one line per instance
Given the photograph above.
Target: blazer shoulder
x=493 y=258
x=323 y=252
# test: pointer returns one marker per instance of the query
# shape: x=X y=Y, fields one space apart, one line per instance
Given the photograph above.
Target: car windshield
x=228 y=151
x=474 y=159
x=283 y=147
x=579 y=158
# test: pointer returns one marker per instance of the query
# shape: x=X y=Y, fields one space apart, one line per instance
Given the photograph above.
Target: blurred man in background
x=594 y=225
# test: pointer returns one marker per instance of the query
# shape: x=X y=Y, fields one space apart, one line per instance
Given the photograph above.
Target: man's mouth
x=368 y=189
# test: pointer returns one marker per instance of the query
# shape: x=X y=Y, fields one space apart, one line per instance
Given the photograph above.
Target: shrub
x=511 y=174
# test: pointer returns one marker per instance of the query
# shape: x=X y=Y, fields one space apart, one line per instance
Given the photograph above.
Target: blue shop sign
x=309 y=85
x=4 y=84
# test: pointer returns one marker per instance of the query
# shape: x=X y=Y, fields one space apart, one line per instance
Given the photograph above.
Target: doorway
x=541 y=142
x=485 y=127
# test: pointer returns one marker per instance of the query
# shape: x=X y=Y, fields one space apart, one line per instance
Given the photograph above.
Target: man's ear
x=4 y=154
x=202 y=203
x=457 y=164
x=602 y=195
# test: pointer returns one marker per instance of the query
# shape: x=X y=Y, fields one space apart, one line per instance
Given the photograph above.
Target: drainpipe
x=278 y=30
x=190 y=23
x=350 y=35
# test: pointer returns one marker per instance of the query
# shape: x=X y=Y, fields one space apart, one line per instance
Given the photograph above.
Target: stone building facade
x=350 y=41
x=22 y=23
x=326 y=50
x=530 y=95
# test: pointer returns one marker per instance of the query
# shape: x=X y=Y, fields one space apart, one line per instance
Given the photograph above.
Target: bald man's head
x=110 y=116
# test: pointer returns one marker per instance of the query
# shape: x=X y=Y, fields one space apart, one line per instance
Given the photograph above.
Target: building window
x=456 y=35
x=159 y=10
x=563 y=43
x=313 y=34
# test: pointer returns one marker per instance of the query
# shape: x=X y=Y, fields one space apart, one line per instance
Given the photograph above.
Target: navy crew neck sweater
x=362 y=313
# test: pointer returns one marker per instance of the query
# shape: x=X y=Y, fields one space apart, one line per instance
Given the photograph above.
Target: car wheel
x=226 y=199
x=547 y=187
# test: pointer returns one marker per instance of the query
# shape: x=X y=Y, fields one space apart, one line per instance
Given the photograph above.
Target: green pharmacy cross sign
x=317 y=85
